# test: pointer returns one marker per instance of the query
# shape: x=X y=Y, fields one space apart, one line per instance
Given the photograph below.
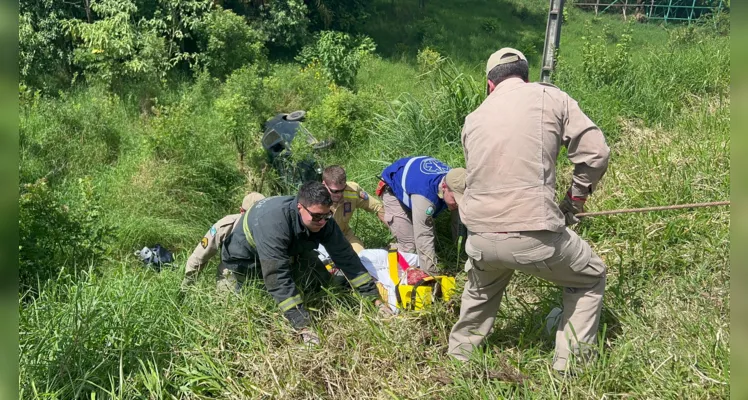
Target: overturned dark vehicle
x=280 y=132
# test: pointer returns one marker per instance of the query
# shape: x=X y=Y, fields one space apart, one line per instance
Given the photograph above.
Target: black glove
x=298 y=317
x=571 y=206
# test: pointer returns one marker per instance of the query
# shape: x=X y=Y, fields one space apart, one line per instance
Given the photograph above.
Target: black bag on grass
x=155 y=256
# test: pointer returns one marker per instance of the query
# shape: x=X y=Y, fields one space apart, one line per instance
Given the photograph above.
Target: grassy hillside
x=105 y=174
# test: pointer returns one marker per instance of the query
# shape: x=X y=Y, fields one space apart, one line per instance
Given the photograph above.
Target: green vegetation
x=140 y=124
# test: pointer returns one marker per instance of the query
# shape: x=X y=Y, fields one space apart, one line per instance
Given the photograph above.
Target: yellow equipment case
x=421 y=294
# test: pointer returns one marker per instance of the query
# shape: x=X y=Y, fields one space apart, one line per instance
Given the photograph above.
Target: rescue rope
x=646 y=209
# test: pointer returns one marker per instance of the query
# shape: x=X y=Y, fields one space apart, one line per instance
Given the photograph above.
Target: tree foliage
x=143 y=41
x=339 y=54
x=242 y=112
x=118 y=46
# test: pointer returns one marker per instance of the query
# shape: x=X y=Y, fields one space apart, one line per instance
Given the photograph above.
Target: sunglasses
x=334 y=191
x=316 y=217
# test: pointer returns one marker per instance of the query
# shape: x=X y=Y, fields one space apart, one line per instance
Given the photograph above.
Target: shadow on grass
x=527 y=329
x=467 y=32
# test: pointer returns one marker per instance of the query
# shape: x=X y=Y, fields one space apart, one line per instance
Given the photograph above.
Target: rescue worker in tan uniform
x=511 y=142
x=211 y=243
x=348 y=197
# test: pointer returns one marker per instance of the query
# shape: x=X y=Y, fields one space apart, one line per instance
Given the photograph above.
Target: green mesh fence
x=667 y=10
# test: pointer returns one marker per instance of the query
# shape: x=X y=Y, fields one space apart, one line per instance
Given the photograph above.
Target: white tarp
x=376 y=263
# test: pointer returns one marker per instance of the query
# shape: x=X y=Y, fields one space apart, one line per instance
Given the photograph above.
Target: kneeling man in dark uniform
x=283 y=231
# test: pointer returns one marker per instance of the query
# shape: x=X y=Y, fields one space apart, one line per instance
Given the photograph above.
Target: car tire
x=296 y=116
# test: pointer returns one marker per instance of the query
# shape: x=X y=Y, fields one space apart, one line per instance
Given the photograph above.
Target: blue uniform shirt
x=416 y=175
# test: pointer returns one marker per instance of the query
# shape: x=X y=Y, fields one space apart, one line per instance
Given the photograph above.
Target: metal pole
x=552 y=39
x=690 y=15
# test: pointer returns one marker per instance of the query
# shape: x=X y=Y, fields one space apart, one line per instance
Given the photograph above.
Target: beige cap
x=504 y=56
x=455 y=181
x=250 y=200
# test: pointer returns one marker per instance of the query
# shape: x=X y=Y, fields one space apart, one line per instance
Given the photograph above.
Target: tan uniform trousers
x=414 y=229
x=560 y=257
x=209 y=246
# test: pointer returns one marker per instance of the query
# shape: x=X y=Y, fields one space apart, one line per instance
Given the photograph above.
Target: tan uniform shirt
x=354 y=197
x=209 y=245
x=511 y=142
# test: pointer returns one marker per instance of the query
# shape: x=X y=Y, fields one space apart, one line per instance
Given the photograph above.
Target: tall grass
x=122 y=331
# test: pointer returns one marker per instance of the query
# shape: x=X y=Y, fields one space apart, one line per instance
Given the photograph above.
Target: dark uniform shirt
x=271 y=233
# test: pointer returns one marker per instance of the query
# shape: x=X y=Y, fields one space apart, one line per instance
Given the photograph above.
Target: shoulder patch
x=363 y=195
x=432 y=166
x=430 y=211
x=213 y=230
x=204 y=242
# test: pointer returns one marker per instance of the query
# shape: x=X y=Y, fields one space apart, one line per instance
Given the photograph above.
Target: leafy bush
x=228 y=43
x=342 y=115
x=430 y=32
x=602 y=65
x=53 y=235
x=428 y=60
x=290 y=88
x=339 y=55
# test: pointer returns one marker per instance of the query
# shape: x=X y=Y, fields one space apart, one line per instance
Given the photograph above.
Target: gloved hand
x=571 y=206
x=383 y=309
x=309 y=337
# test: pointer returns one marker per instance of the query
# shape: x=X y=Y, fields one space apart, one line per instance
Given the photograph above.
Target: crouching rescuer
x=511 y=142
x=210 y=245
x=279 y=236
x=414 y=191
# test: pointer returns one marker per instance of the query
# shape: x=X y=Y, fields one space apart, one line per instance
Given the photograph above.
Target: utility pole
x=552 y=39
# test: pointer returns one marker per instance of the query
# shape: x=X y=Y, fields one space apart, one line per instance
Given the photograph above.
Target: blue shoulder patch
x=213 y=231
x=432 y=166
